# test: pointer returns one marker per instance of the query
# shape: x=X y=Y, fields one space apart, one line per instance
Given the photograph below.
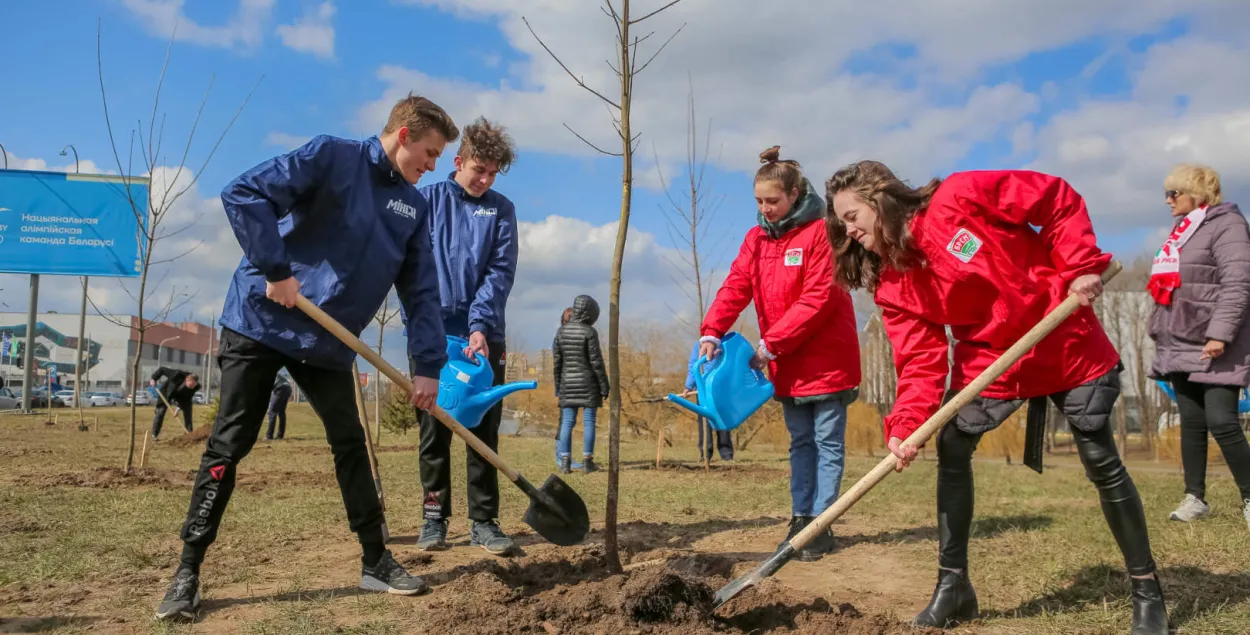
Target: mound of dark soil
x=565 y=593
x=197 y=437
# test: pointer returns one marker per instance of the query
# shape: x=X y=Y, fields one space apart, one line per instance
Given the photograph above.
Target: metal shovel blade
x=556 y=512
x=769 y=567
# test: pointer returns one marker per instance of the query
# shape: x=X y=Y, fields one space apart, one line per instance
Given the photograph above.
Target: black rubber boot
x=588 y=465
x=1150 y=615
x=566 y=465
x=954 y=601
x=817 y=547
x=797 y=523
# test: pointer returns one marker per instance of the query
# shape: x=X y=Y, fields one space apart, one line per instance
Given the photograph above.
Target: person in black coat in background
x=179 y=388
x=581 y=380
x=277 y=406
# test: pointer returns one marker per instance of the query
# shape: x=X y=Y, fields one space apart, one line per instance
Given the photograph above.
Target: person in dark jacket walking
x=339 y=222
x=178 y=388
x=278 y=399
x=724 y=440
x=581 y=381
x=1200 y=283
x=474 y=234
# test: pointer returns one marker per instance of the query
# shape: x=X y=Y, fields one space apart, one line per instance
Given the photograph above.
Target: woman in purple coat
x=1200 y=282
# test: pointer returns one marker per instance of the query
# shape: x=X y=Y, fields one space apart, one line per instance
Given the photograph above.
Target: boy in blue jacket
x=339 y=221
x=474 y=232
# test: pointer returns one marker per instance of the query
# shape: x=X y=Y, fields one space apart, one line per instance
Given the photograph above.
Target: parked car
x=64 y=397
x=141 y=398
x=38 y=398
x=106 y=399
x=199 y=398
x=9 y=400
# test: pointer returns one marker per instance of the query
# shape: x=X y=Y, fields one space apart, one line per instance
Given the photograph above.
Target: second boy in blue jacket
x=340 y=222
x=474 y=232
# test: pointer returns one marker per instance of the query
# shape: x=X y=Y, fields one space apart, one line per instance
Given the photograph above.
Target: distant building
x=109 y=351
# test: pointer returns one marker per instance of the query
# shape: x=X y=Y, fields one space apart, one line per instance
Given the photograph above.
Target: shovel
x=919 y=437
x=556 y=512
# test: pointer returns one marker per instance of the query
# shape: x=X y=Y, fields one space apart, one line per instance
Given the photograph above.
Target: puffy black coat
x=580 y=374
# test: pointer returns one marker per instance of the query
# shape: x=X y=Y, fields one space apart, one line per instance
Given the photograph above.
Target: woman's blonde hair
x=1198 y=181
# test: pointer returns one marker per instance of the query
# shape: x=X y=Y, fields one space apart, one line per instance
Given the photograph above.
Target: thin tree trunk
x=614 y=306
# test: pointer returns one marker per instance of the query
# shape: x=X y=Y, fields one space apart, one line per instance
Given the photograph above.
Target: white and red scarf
x=1165 y=270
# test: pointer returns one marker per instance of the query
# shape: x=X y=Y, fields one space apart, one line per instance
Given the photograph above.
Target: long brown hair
x=895 y=203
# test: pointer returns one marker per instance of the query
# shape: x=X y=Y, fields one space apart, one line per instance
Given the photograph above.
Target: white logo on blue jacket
x=402 y=208
x=485 y=211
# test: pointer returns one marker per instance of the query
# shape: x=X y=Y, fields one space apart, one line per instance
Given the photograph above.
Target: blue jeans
x=817 y=453
x=568 y=417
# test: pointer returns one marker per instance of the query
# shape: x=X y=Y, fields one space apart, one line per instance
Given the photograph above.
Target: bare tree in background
x=690 y=218
x=382 y=318
x=155 y=210
x=626 y=69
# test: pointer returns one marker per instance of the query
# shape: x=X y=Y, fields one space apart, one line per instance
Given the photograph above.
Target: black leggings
x=1121 y=504
x=1213 y=408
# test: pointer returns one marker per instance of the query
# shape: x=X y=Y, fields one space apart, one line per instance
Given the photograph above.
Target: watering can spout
x=699 y=410
x=497 y=393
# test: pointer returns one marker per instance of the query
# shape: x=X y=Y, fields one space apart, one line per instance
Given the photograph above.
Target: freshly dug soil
x=569 y=592
x=181 y=480
x=197 y=437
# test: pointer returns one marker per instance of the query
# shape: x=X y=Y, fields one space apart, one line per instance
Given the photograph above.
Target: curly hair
x=895 y=203
x=489 y=143
x=786 y=173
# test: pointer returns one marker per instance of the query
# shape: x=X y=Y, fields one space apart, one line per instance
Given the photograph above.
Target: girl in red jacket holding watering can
x=809 y=341
x=962 y=252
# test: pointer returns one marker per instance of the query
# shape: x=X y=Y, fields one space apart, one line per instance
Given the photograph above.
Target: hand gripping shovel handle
x=332 y=325
x=919 y=437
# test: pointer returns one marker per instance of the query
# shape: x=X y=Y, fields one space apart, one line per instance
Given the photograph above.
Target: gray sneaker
x=1245 y=511
x=490 y=537
x=182 y=600
x=433 y=536
x=1192 y=509
x=389 y=576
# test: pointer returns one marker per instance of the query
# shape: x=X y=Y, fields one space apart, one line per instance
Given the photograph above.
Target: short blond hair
x=420 y=115
x=1200 y=182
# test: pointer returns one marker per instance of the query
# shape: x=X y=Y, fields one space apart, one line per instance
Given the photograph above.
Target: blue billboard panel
x=72 y=224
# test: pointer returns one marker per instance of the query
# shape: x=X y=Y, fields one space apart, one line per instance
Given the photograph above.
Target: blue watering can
x=464 y=386
x=730 y=390
x=1243 y=404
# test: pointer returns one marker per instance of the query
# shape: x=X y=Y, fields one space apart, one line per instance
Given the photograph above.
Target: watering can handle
x=353 y=342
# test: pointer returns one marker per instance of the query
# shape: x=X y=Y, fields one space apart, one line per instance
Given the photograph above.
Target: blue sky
x=1108 y=95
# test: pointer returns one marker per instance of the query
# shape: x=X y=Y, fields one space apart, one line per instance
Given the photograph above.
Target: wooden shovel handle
x=332 y=325
x=946 y=412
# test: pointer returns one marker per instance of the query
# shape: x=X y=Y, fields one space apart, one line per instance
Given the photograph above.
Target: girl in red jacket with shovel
x=807 y=324
x=961 y=253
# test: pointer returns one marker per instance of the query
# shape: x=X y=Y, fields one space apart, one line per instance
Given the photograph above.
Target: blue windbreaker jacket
x=334 y=214
x=475 y=248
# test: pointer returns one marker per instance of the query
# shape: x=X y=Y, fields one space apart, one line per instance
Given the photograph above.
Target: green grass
x=1042 y=558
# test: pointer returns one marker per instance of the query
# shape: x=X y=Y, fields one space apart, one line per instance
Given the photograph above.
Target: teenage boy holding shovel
x=340 y=222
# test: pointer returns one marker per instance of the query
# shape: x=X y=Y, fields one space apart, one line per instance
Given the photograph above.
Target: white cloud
x=1116 y=152
x=287 y=141
x=312 y=32
x=244 y=30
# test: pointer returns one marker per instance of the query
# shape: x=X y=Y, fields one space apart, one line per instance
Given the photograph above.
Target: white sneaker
x=1245 y=510
x=1192 y=509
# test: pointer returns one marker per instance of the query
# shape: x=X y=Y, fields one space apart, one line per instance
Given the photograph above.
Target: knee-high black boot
x=1122 y=507
x=954 y=600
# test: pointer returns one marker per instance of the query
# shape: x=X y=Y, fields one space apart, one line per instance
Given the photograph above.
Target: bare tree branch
x=660 y=10
x=579 y=81
x=197 y=245
x=661 y=49
x=611 y=154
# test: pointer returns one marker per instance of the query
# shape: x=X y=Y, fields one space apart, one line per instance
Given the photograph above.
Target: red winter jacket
x=991 y=277
x=806 y=320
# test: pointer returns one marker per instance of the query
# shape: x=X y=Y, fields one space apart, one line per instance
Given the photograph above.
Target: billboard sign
x=72 y=224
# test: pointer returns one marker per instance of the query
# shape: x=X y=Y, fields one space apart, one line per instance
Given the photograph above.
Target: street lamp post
x=82 y=314
x=75 y=150
x=4 y=153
